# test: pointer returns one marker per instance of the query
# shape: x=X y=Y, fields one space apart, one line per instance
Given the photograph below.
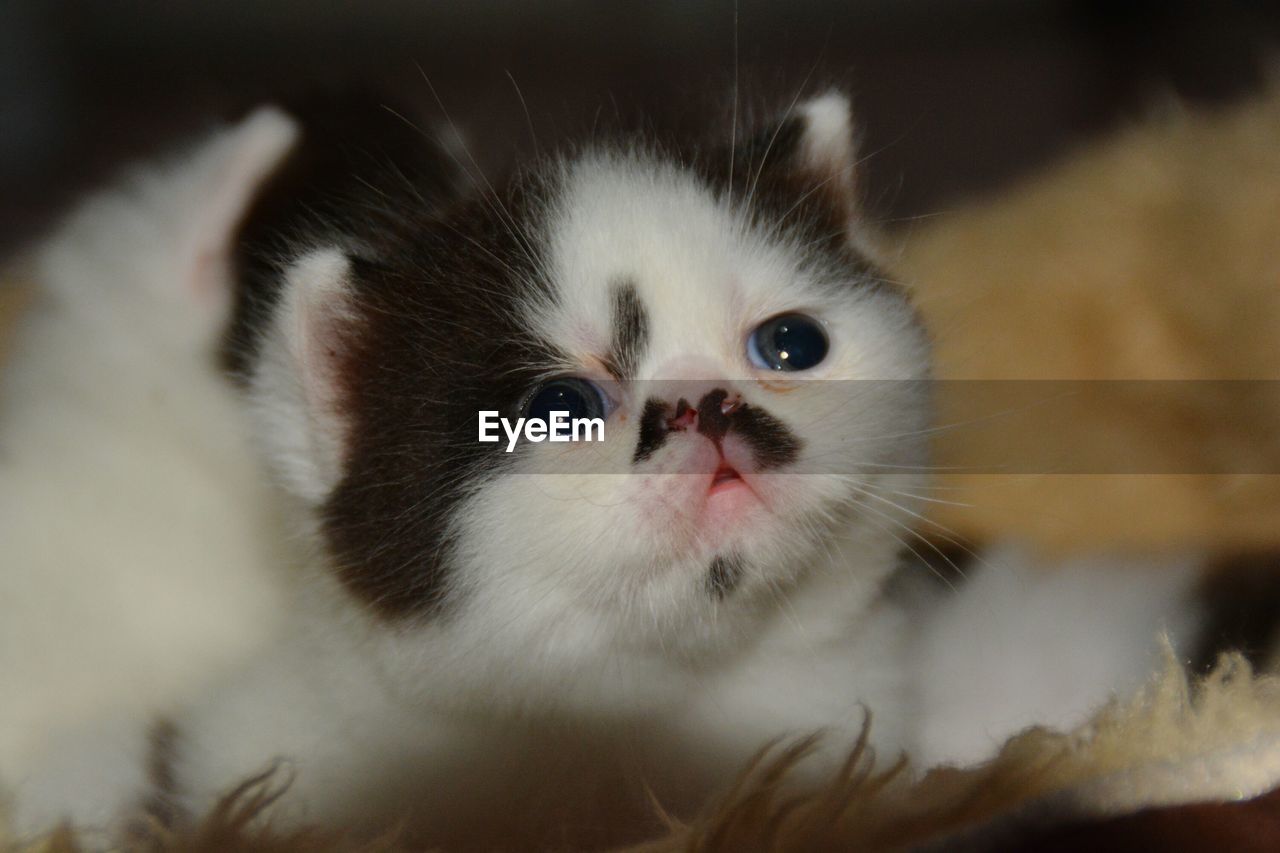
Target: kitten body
x=571 y=626
x=131 y=508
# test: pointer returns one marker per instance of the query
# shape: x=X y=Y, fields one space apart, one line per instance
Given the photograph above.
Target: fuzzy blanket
x=1153 y=254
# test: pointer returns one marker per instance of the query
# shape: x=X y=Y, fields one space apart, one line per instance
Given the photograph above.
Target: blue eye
x=579 y=397
x=787 y=342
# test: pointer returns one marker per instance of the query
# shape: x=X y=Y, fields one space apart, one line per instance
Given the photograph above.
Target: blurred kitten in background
x=134 y=521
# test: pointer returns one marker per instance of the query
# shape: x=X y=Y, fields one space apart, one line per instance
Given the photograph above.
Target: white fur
x=1031 y=641
x=293 y=390
x=135 y=525
x=829 y=144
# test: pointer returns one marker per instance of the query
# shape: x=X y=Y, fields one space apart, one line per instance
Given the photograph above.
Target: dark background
x=955 y=96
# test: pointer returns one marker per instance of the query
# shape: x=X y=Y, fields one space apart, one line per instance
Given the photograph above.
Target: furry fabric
x=1171 y=744
x=1153 y=254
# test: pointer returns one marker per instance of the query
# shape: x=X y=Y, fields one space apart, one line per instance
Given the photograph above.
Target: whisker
x=764 y=158
x=890 y=531
x=533 y=136
x=493 y=200
x=733 y=126
x=948 y=534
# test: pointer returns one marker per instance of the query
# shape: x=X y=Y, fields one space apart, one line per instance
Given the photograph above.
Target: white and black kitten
x=579 y=622
x=582 y=621
x=488 y=646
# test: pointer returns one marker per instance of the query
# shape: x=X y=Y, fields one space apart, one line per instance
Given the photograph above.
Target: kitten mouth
x=725 y=477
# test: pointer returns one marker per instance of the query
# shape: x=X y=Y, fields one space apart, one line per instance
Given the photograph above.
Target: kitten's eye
x=579 y=397
x=787 y=342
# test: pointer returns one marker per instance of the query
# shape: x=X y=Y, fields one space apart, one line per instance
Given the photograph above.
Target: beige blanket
x=1152 y=254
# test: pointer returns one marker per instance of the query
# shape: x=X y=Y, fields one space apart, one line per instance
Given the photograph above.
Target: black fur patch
x=357 y=169
x=431 y=355
x=653 y=429
x=778 y=191
x=630 y=323
x=161 y=803
x=725 y=574
x=436 y=281
x=772 y=443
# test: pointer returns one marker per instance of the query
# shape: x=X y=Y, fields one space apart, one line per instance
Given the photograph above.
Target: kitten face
x=650 y=282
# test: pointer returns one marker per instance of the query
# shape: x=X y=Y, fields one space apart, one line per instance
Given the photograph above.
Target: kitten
x=498 y=644
x=136 y=531
x=574 y=616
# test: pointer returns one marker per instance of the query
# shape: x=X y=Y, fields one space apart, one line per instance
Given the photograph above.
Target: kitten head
x=717 y=308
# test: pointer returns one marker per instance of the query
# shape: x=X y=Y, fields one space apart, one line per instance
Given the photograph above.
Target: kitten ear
x=300 y=385
x=810 y=152
x=229 y=175
x=826 y=148
x=805 y=169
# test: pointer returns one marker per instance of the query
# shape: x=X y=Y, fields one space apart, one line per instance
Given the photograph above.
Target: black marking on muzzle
x=653 y=429
x=712 y=420
x=772 y=443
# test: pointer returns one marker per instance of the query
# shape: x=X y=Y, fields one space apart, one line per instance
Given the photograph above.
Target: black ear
x=808 y=152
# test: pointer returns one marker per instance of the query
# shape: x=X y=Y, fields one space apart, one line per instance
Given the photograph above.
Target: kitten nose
x=713 y=413
x=686 y=416
x=710 y=417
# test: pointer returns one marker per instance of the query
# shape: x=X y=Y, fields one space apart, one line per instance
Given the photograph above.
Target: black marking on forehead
x=725 y=574
x=630 y=324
